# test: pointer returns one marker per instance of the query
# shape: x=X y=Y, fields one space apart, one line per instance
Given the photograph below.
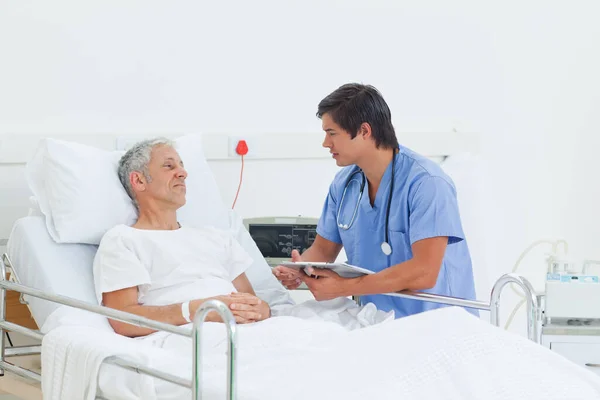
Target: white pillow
x=80 y=194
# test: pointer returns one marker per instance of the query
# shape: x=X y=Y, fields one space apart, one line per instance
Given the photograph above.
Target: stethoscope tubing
x=386 y=244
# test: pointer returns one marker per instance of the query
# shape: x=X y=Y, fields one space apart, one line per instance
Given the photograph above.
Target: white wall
x=523 y=72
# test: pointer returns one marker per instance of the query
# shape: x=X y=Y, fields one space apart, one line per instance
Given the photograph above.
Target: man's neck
x=375 y=164
x=157 y=219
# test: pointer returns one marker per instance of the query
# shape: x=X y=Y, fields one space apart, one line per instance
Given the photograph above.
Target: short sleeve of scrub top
x=434 y=211
x=327 y=226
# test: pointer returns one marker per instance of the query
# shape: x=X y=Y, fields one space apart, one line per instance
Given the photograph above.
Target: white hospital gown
x=168 y=266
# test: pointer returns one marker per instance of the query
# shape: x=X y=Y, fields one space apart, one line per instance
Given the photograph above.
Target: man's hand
x=250 y=308
x=289 y=277
x=245 y=307
x=325 y=284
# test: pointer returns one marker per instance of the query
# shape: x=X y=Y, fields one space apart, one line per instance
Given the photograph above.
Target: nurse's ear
x=364 y=131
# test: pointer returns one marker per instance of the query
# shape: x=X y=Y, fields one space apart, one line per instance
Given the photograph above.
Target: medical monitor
x=276 y=237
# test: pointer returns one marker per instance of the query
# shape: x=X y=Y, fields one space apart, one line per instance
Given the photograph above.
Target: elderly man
x=162 y=270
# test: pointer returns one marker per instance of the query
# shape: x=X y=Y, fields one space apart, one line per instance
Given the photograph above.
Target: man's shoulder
x=420 y=168
x=113 y=243
x=117 y=232
x=341 y=178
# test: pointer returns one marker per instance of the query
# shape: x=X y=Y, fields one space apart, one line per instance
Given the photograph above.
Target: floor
x=13 y=387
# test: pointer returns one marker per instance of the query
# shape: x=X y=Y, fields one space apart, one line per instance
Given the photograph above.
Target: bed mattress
x=41 y=263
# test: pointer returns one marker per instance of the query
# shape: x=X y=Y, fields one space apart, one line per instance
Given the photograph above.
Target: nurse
x=393 y=211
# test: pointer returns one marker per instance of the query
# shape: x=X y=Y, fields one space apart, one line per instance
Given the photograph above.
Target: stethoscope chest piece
x=386 y=248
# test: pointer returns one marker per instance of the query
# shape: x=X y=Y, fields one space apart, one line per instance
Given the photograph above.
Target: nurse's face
x=344 y=149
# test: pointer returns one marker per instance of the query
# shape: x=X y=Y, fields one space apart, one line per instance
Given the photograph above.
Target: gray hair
x=136 y=159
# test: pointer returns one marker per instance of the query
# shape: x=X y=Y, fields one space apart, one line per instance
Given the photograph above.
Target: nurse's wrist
x=352 y=286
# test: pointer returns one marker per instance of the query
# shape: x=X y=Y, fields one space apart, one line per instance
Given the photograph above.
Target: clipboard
x=342 y=269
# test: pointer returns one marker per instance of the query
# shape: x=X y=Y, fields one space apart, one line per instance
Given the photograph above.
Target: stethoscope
x=386 y=248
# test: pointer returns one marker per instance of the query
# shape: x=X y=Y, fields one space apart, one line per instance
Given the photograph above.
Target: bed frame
x=533 y=326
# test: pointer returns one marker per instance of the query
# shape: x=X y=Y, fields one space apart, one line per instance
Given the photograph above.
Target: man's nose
x=182 y=173
x=326 y=142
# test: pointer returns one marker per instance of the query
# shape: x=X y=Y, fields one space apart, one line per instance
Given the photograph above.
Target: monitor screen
x=278 y=241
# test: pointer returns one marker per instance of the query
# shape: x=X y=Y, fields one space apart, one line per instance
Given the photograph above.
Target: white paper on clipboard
x=342 y=269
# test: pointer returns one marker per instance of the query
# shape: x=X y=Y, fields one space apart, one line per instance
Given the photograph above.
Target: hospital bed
x=56 y=282
x=45 y=272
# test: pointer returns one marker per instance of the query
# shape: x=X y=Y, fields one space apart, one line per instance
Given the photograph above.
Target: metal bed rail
x=198 y=320
x=534 y=314
x=533 y=326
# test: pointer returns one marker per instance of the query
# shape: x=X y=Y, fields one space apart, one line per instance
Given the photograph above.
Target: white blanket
x=442 y=354
x=445 y=353
x=72 y=356
x=342 y=311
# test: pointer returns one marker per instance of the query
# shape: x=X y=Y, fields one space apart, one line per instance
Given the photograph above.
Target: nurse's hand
x=325 y=284
x=289 y=277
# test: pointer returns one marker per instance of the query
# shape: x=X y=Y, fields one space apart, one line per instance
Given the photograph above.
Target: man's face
x=167 y=183
x=342 y=147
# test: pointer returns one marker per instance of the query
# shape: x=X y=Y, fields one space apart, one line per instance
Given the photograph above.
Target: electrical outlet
x=250 y=141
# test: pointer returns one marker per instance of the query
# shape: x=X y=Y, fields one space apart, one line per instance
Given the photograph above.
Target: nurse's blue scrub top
x=424 y=205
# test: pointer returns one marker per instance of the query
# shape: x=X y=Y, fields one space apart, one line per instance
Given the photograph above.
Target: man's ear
x=364 y=130
x=138 y=181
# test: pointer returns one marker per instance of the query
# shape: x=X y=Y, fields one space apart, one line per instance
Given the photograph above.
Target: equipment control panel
x=276 y=237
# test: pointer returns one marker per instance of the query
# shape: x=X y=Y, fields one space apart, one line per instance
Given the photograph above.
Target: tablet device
x=342 y=269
